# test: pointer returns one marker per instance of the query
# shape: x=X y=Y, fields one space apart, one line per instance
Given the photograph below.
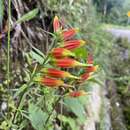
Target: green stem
x=8 y=46
x=49 y=116
x=55 y=104
x=23 y=96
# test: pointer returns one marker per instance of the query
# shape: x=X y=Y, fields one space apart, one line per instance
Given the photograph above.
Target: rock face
x=120 y=32
x=104 y=110
x=117 y=117
x=98 y=110
x=93 y=109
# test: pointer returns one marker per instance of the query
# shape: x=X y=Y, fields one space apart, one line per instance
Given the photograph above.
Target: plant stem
x=56 y=102
x=23 y=96
x=52 y=110
x=8 y=45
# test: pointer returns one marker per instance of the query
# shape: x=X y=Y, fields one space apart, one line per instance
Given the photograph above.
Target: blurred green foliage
x=113 y=11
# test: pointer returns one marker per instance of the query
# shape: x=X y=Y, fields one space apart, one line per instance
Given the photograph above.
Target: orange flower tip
x=76 y=30
x=92 y=68
x=56 y=18
x=82 y=42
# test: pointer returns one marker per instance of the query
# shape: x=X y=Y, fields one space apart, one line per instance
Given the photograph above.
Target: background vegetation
x=26 y=105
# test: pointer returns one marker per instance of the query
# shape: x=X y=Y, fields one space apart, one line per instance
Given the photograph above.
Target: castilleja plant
x=63 y=56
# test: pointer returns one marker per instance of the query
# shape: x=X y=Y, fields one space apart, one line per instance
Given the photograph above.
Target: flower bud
x=56 y=24
x=73 y=44
x=52 y=82
x=58 y=73
x=68 y=34
x=61 y=52
x=68 y=63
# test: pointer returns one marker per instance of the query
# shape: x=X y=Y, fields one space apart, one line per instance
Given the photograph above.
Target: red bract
x=73 y=44
x=61 y=52
x=58 y=73
x=67 y=34
x=56 y=24
x=50 y=82
x=77 y=93
x=68 y=63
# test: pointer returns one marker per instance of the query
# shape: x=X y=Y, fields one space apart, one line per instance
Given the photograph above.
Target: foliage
x=113 y=11
x=30 y=105
x=120 y=68
x=28 y=16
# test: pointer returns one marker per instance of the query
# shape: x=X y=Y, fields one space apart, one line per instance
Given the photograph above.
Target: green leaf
x=1 y=10
x=77 y=108
x=81 y=52
x=28 y=16
x=20 y=90
x=70 y=121
x=37 y=57
x=39 y=52
x=37 y=117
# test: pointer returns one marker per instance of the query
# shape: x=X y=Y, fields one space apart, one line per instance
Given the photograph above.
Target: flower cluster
x=62 y=57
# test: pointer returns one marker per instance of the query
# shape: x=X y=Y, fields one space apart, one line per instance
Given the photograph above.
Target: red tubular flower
x=73 y=44
x=77 y=93
x=68 y=63
x=67 y=34
x=56 y=24
x=61 y=52
x=91 y=68
x=50 y=82
x=58 y=73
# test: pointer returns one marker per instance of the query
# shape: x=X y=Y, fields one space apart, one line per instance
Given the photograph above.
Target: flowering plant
x=63 y=59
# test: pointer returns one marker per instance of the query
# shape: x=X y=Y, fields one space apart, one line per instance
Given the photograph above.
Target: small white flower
x=4 y=106
x=117 y=104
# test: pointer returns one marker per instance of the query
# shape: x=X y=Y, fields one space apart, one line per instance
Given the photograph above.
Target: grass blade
x=30 y=15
